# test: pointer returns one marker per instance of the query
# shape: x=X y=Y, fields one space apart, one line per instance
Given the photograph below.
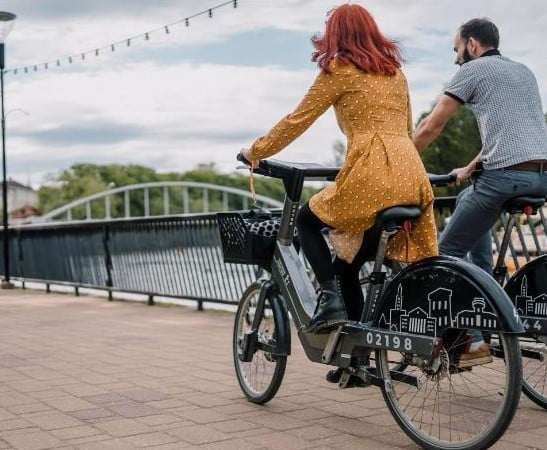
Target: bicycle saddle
x=397 y=214
x=518 y=204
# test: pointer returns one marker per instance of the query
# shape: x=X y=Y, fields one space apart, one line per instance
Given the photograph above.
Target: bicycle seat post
x=377 y=277
x=514 y=207
x=389 y=221
x=500 y=269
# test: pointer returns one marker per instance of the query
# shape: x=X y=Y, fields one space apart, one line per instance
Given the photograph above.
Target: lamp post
x=6 y=22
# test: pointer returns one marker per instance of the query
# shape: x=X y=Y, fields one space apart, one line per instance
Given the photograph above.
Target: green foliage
x=82 y=180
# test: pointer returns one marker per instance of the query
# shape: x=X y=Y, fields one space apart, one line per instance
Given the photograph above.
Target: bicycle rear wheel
x=534 y=369
x=260 y=377
x=453 y=408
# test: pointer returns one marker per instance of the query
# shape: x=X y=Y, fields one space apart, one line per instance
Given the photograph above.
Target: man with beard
x=504 y=97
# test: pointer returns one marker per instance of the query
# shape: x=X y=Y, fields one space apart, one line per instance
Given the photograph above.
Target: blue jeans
x=479 y=206
x=477 y=209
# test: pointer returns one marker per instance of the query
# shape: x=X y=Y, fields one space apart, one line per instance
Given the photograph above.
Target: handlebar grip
x=242 y=158
x=442 y=180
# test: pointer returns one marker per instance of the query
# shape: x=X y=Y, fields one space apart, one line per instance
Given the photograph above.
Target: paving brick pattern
x=85 y=373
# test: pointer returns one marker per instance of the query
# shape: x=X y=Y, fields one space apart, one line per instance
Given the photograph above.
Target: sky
x=199 y=93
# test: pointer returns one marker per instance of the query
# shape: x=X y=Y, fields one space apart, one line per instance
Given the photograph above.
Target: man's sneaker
x=476 y=356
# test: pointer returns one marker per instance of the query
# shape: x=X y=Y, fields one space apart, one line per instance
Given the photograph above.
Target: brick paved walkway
x=85 y=373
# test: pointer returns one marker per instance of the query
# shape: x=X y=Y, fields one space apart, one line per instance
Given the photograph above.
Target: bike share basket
x=249 y=237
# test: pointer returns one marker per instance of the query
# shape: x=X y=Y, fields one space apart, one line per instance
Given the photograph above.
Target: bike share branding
x=428 y=303
x=528 y=292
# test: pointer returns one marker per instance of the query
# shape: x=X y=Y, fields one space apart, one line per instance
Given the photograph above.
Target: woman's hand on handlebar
x=246 y=156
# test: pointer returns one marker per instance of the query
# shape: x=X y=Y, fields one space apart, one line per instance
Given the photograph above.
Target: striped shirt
x=504 y=97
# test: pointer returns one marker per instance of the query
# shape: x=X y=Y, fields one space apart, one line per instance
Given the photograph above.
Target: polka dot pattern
x=267 y=228
x=382 y=167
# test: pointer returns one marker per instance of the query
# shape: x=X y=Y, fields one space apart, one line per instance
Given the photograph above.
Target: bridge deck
x=85 y=373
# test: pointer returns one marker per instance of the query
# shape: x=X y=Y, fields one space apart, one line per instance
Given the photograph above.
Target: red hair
x=353 y=37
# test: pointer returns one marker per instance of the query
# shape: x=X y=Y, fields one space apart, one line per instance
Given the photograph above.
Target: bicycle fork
x=250 y=340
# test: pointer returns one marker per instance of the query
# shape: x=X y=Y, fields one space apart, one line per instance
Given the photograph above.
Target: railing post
x=107 y=260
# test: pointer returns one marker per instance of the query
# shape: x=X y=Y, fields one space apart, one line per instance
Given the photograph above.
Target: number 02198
x=388 y=341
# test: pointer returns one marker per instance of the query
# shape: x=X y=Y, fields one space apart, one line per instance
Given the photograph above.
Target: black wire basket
x=248 y=238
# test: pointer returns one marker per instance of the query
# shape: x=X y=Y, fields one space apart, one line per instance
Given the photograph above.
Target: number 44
x=536 y=326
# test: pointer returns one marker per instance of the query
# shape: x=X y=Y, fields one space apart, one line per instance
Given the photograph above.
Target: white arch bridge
x=160 y=198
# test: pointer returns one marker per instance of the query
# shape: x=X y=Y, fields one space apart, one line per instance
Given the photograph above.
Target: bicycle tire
x=526 y=285
x=534 y=369
x=261 y=377
x=456 y=409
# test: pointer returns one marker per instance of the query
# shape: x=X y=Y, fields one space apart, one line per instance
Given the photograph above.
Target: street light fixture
x=6 y=23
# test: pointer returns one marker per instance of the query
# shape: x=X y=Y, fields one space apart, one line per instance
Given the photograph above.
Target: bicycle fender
x=444 y=292
x=527 y=289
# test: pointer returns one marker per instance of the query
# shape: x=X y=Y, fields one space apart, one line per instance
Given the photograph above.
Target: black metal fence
x=169 y=257
x=174 y=256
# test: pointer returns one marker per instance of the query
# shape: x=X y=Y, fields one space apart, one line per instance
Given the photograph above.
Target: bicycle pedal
x=348 y=380
x=344 y=380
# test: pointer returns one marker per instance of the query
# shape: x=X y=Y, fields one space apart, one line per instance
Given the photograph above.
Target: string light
x=145 y=35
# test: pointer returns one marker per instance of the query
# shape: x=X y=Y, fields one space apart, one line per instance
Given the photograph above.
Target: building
x=20 y=196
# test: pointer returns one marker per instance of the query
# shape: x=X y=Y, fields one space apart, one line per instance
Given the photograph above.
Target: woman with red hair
x=360 y=76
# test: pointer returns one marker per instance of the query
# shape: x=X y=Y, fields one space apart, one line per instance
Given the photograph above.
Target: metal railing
x=169 y=257
x=173 y=256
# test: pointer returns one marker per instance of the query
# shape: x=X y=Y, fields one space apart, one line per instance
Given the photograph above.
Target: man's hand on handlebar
x=462 y=174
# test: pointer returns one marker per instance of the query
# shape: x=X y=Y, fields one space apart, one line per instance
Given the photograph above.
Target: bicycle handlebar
x=284 y=170
x=281 y=169
x=442 y=180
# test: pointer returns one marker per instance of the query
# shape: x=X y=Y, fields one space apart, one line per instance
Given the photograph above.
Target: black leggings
x=317 y=252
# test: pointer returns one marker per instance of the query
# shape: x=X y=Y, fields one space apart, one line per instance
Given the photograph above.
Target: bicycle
x=422 y=314
x=527 y=288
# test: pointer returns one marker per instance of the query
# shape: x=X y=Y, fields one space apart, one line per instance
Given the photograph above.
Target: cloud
x=200 y=93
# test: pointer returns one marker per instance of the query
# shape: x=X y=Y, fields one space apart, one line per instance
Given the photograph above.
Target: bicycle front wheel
x=452 y=408
x=261 y=373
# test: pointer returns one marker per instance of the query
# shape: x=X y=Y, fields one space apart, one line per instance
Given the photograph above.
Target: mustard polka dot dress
x=382 y=167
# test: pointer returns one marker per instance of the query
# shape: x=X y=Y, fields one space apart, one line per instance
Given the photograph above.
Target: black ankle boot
x=330 y=309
